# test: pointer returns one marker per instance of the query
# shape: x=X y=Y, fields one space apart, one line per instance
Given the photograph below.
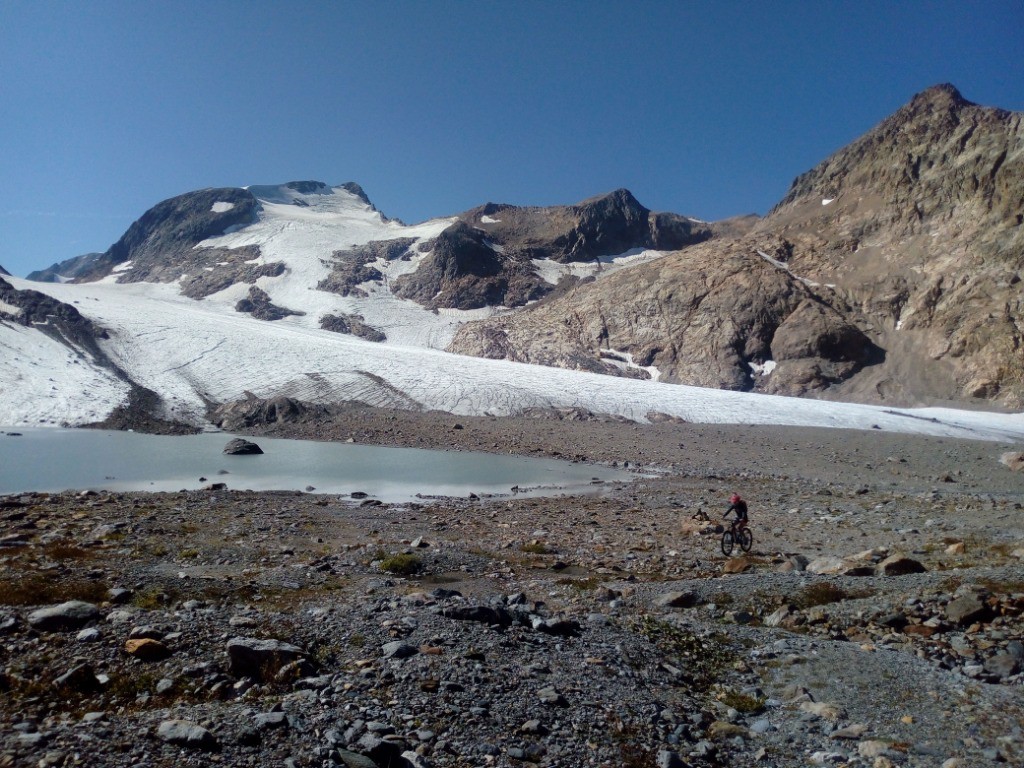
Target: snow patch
x=785 y=267
x=763 y=369
x=485 y=219
x=553 y=271
x=124 y=266
x=10 y=309
x=221 y=207
x=827 y=200
x=624 y=362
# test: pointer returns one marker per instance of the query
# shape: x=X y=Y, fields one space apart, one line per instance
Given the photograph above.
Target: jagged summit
x=4 y=271
x=941 y=94
x=889 y=272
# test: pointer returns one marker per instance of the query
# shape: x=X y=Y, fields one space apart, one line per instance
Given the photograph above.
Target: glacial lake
x=33 y=459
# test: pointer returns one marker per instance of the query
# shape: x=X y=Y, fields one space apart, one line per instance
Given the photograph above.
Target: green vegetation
x=402 y=564
x=742 y=702
x=704 y=657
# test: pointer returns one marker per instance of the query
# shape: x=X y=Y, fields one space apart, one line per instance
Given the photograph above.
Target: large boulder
x=261 y=659
x=240 y=447
x=184 y=733
x=66 y=617
x=899 y=564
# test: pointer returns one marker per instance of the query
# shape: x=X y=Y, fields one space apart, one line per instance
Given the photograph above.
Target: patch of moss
x=402 y=564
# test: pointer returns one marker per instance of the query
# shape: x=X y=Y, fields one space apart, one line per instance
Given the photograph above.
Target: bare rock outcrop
x=254 y=411
x=353 y=325
x=487 y=257
x=889 y=273
x=709 y=315
x=259 y=305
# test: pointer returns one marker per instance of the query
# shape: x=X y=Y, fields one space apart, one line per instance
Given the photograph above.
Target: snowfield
x=192 y=352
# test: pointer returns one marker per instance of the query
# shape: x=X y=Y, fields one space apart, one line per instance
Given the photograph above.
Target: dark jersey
x=740 y=508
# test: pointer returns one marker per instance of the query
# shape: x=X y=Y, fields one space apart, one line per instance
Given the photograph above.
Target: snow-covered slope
x=189 y=351
x=194 y=352
x=303 y=230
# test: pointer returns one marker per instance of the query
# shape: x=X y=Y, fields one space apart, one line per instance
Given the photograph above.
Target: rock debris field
x=876 y=621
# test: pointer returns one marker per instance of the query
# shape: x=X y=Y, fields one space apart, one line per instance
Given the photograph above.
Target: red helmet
x=734 y=498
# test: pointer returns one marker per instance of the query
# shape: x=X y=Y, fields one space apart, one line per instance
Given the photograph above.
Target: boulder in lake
x=241 y=447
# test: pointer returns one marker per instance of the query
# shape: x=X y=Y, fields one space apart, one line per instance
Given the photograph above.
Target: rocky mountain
x=4 y=271
x=61 y=322
x=890 y=272
x=69 y=269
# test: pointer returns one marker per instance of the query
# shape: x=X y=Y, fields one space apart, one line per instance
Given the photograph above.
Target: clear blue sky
x=703 y=108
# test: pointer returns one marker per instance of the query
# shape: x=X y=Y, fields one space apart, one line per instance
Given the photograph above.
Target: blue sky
x=703 y=108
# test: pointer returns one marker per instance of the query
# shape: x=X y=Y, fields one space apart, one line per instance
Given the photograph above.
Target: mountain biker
x=739 y=506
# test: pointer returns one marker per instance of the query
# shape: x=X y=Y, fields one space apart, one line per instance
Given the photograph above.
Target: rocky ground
x=876 y=621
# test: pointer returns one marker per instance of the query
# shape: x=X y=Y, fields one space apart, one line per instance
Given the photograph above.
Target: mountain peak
x=943 y=94
x=4 y=271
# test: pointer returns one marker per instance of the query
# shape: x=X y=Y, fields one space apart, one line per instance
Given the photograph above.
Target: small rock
x=354 y=759
x=872 y=747
x=270 y=720
x=187 y=734
x=720 y=729
x=552 y=697
x=147 y=649
x=398 y=650
x=822 y=709
x=736 y=565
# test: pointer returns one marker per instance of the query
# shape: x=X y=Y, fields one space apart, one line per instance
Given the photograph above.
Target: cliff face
x=890 y=272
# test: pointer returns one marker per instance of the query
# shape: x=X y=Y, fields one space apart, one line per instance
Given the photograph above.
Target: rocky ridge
x=906 y=247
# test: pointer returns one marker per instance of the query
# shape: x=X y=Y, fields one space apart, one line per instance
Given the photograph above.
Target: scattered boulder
x=354 y=759
x=736 y=565
x=241 y=447
x=481 y=613
x=146 y=649
x=967 y=609
x=65 y=617
x=686 y=599
x=184 y=733
x=260 y=659
x=899 y=565
x=398 y=650
x=79 y=678
x=826 y=565
x=1014 y=460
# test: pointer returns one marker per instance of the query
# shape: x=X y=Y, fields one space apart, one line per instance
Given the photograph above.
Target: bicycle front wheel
x=746 y=539
x=728 y=540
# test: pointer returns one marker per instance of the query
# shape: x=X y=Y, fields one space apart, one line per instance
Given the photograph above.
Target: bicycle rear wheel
x=746 y=539
x=728 y=540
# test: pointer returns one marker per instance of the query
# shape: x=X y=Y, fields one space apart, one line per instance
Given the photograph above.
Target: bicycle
x=734 y=535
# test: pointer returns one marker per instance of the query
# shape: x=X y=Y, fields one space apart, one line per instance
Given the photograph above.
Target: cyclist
x=739 y=506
